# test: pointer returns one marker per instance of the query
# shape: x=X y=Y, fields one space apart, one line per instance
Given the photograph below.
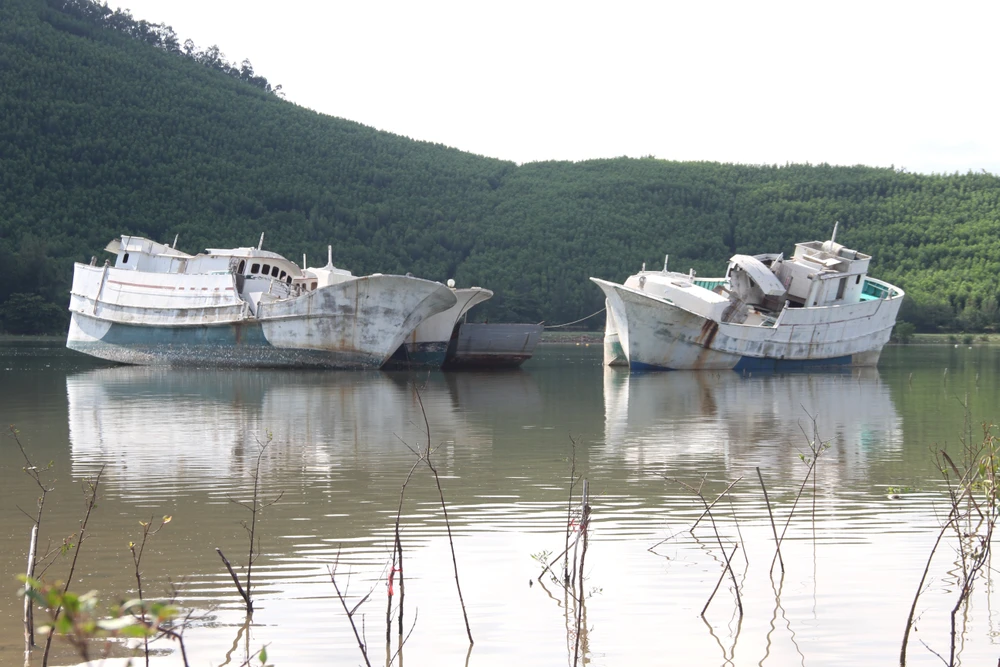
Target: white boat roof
x=761 y=275
x=245 y=252
x=135 y=243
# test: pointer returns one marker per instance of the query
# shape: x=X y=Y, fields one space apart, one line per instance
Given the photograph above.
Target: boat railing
x=876 y=289
x=711 y=283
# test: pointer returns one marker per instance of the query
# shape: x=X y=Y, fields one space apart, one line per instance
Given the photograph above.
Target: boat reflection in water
x=190 y=428
x=687 y=418
x=152 y=425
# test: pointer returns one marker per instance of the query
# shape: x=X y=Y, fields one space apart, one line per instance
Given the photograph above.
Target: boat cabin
x=823 y=274
x=259 y=274
x=820 y=273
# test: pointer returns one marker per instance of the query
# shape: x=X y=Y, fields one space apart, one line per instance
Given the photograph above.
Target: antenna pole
x=175 y=240
x=329 y=255
x=834 y=237
x=260 y=244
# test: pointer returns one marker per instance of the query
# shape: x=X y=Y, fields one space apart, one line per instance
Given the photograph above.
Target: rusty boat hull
x=768 y=313
x=655 y=335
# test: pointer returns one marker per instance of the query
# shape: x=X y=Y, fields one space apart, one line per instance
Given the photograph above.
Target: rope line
x=556 y=326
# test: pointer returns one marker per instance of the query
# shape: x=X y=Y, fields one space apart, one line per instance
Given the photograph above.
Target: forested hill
x=109 y=125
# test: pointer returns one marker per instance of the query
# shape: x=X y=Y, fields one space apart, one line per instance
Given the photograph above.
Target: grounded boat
x=427 y=345
x=241 y=307
x=818 y=308
x=491 y=345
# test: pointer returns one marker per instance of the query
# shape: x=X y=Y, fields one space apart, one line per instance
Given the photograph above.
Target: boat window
x=274 y=271
x=243 y=265
x=313 y=285
x=266 y=269
x=857 y=280
x=288 y=280
x=282 y=276
x=255 y=268
x=125 y=259
x=841 y=286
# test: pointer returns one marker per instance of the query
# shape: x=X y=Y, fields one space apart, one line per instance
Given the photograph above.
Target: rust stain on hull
x=708 y=331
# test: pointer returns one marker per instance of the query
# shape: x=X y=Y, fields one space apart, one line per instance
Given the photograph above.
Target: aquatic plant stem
x=444 y=509
x=397 y=559
x=350 y=612
x=816 y=448
x=147 y=532
x=90 y=493
x=708 y=507
x=770 y=515
x=32 y=471
x=722 y=575
x=920 y=588
x=255 y=507
x=974 y=541
x=236 y=579
x=708 y=512
x=569 y=511
x=729 y=564
x=29 y=630
x=584 y=528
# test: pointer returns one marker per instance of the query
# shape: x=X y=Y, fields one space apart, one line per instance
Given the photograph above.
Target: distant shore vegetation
x=113 y=125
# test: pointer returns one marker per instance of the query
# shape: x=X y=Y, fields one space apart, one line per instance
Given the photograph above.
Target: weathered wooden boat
x=427 y=345
x=491 y=345
x=241 y=307
x=818 y=308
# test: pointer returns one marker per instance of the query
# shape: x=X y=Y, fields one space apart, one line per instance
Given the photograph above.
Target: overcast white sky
x=911 y=84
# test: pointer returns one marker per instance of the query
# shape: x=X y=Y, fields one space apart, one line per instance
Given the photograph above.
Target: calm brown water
x=182 y=443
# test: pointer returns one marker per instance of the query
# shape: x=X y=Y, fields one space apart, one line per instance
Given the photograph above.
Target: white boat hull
x=654 y=334
x=134 y=318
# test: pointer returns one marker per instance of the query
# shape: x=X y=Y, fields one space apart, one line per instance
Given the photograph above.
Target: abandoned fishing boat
x=427 y=345
x=818 y=308
x=241 y=307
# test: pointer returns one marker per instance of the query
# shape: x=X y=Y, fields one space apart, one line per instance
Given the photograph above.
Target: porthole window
x=265 y=270
x=274 y=271
x=125 y=259
x=313 y=285
x=288 y=280
x=255 y=268
x=282 y=276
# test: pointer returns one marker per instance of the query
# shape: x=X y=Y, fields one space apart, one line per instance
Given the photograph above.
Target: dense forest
x=110 y=126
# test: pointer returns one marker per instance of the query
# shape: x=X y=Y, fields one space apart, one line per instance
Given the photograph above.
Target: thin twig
x=349 y=612
x=584 y=527
x=770 y=515
x=722 y=575
x=444 y=509
x=91 y=504
x=569 y=512
x=709 y=507
x=236 y=579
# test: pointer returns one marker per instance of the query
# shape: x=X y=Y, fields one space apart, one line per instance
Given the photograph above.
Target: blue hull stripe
x=764 y=365
x=639 y=366
x=759 y=364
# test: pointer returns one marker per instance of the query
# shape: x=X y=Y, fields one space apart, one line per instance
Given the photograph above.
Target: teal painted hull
x=417 y=356
x=233 y=345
